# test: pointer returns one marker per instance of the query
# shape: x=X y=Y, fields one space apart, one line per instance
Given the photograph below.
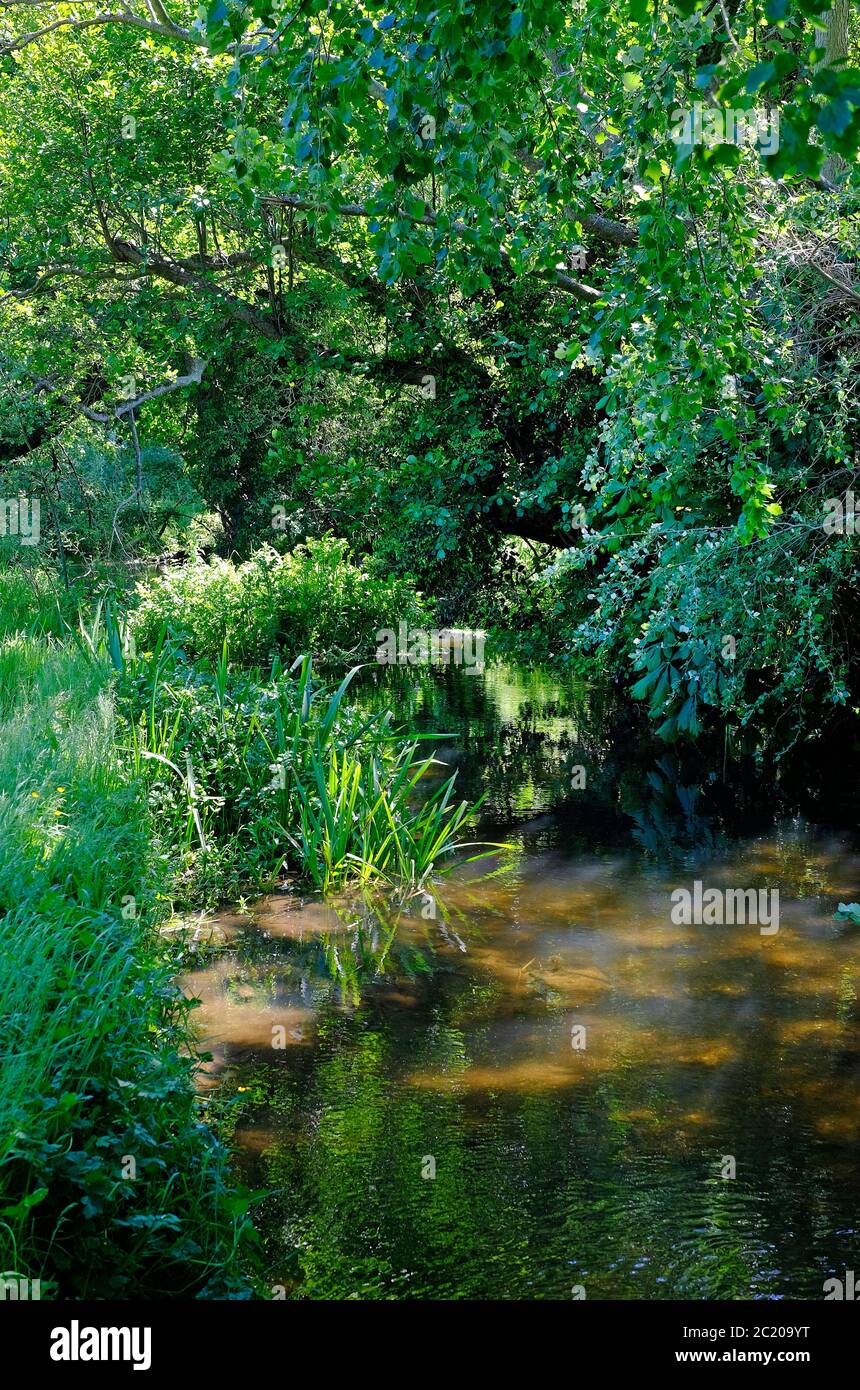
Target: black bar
x=260 y=1338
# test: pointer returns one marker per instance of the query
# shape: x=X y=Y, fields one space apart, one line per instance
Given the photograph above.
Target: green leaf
x=21 y=1208
x=760 y=76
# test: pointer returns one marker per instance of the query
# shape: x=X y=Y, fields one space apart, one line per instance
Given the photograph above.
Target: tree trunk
x=833 y=38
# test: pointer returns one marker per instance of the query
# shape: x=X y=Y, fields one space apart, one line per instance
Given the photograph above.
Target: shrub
x=314 y=599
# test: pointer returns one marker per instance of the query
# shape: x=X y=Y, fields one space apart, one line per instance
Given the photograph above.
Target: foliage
x=699 y=628
x=358 y=240
x=314 y=598
x=249 y=776
x=95 y=1065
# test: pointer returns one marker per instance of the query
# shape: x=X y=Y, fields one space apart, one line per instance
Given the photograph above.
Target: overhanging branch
x=563 y=281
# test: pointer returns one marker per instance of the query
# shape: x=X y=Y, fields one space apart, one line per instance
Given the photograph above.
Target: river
x=534 y=1083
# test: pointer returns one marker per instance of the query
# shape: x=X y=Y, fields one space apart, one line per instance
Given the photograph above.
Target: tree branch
x=128 y=21
x=562 y=281
x=191 y=378
x=52 y=272
x=159 y=24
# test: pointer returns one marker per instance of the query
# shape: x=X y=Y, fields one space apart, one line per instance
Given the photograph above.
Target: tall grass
x=34 y=601
x=356 y=819
x=110 y=1184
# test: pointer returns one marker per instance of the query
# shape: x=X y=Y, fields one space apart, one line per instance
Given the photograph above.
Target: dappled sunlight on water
x=574 y=1067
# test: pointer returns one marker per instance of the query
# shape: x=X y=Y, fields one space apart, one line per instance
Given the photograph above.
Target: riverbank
x=112 y=1184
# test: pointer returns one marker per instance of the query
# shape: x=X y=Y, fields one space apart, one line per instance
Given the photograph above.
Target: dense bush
x=314 y=599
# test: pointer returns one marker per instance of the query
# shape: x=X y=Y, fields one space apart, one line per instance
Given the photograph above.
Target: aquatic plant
x=252 y=776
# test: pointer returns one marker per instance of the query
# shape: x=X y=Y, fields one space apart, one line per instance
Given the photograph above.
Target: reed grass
x=256 y=776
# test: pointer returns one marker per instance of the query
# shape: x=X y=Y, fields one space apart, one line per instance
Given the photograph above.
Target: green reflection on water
x=435 y=1035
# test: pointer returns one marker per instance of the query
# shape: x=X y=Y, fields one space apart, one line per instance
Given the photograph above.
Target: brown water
x=533 y=1083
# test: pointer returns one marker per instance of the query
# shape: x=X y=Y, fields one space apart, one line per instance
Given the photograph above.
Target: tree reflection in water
x=418 y=1028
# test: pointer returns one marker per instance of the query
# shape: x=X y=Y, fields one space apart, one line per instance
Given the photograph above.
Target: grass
x=110 y=1182
x=34 y=601
x=252 y=776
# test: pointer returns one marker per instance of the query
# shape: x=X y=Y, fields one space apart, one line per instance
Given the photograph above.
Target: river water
x=533 y=1083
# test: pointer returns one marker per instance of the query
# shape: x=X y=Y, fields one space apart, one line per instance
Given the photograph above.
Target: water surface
x=531 y=1085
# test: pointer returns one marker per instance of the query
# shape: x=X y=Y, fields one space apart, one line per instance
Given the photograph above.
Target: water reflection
x=576 y=1066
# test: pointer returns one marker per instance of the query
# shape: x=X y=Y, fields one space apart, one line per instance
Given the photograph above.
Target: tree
x=480 y=233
